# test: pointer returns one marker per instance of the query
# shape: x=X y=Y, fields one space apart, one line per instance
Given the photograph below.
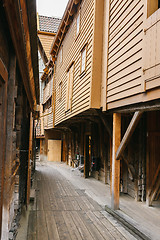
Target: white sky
x=51 y=8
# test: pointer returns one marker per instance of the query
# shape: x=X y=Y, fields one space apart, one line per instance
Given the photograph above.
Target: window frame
x=84 y=49
x=60 y=91
x=79 y=23
x=69 y=88
x=61 y=55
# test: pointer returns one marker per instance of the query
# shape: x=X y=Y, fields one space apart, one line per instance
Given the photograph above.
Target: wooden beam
x=106 y=124
x=18 y=42
x=115 y=164
x=130 y=167
x=136 y=117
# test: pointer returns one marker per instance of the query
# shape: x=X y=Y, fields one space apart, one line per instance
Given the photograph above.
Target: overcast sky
x=51 y=8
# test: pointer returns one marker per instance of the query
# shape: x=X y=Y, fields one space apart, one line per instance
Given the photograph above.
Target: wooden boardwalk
x=63 y=212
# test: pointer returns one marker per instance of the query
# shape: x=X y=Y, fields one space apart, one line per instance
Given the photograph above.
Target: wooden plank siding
x=151 y=69
x=84 y=95
x=133 y=54
x=47 y=91
x=46 y=40
x=125 y=49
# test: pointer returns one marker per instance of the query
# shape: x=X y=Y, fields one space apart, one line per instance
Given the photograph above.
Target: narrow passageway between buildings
x=64 y=211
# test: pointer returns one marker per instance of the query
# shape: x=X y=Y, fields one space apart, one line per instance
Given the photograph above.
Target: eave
x=18 y=19
x=46 y=33
x=66 y=21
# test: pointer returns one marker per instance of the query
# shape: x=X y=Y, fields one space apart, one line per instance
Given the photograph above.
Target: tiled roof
x=48 y=24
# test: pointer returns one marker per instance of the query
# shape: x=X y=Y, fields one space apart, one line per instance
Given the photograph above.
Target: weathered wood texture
x=128 y=133
x=67 y=212
x=3 y=112
x=10 y=155
x=30 y=157
x=23 y=52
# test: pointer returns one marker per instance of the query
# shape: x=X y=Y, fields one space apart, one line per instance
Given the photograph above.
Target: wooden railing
x=154 y=191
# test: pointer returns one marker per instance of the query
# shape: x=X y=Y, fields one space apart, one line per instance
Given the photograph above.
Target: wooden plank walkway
x=66 y=213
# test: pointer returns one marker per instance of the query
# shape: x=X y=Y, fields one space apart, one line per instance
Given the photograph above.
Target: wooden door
x=54 y=150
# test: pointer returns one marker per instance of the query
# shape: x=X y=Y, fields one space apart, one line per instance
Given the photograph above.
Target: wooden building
x=47 y=28
x=107 y=94
x=19 y=96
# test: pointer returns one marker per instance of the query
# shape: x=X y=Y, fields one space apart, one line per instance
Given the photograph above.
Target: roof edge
x=66 y=21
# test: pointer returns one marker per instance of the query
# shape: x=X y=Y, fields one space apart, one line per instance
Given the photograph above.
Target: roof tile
x=48 y=24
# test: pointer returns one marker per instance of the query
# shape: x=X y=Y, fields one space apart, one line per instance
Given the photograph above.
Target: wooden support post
x=29 y=157
x=41 y=146
x=116 y=163
x=82 y=140
x=110 y=157
x=67 y=149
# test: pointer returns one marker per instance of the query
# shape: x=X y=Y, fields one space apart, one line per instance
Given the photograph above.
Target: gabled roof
x=48 y=24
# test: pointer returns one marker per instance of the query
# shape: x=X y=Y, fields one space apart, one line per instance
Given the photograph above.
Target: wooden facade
x=106 y=93
x=19 y=95
x=47 y=28
x=132 y=75
x=85 y=85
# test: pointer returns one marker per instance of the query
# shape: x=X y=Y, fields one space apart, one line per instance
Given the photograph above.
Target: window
x=152 y=6
x=83 y=59
x=61 y=55
x=78 y=24
x=69 y=87
x=60 y=90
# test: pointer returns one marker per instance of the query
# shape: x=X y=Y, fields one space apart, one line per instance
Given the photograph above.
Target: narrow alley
x=64 y=211
x=79 y=119
x=67 y=206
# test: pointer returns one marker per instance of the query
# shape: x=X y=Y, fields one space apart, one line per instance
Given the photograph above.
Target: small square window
x=83 y=59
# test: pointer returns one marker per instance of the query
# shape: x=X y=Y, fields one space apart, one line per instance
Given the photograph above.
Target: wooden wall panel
x=47 y=91
x=72 y=47
x=46 y=41
x=151 y=67
x=125 y=49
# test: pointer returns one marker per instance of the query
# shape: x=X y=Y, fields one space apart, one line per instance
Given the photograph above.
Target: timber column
x=116 y=163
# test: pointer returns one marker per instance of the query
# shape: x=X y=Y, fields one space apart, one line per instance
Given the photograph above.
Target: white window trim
x=69 y=89
x=78 y=21
x=60 y=91
x=83 y=59
x=61 y=55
